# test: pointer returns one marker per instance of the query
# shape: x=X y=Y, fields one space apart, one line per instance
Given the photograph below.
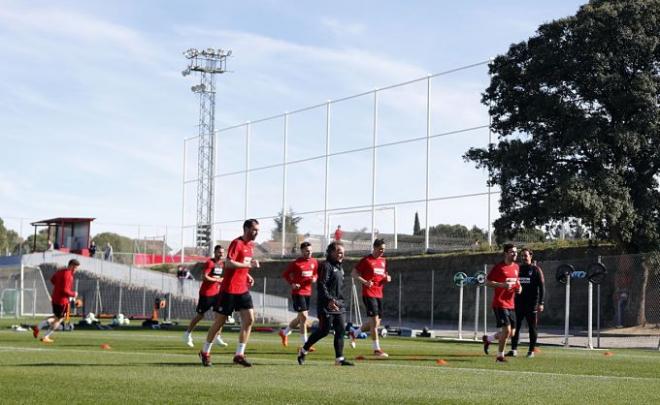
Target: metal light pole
x=207 y=62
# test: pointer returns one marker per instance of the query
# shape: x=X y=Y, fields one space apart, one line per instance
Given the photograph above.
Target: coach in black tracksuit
x=330 y=301
x=529 y=302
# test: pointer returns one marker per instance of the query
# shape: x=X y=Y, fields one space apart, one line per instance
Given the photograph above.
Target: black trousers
x=336 y=322
x=531 y=316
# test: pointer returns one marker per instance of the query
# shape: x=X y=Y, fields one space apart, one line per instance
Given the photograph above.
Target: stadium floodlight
x=207 y=62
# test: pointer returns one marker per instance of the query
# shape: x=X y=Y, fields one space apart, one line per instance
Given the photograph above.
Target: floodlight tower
x=208 y=63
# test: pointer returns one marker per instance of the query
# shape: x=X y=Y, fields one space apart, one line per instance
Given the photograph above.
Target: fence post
x=34 y=296
x=432 y=296
x=400 y=291
x=485 y=303
x=598 y=311
x=119 y=303
x=476 y=312
x=144 y=299
x=169 y=306
x=263 y=303
x=590 y=304
x=567 y=310
x=460 y=311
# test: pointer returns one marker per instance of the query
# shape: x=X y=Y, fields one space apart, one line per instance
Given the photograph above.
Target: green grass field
x=150 y=366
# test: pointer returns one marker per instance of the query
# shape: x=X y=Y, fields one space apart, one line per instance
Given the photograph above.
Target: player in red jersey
x=503 y=277
x=236 y=293
x=300 y=274
x=209 y=294
x=371 y=272
x=62 y=294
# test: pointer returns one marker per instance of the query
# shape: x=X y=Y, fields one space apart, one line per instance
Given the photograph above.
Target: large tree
x=575 y=109
x=291 y=226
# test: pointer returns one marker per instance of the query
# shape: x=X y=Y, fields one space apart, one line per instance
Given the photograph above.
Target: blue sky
x=93 y=108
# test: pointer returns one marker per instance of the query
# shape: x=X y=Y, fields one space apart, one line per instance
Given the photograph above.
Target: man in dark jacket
x=331 y=308
x=528 y=303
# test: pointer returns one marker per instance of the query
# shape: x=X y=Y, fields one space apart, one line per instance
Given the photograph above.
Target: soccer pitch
x=152 y=366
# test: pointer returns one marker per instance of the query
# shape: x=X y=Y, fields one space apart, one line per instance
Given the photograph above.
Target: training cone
x=360 y=357
x=441 y=362
x=105 y=346
x=608 y=354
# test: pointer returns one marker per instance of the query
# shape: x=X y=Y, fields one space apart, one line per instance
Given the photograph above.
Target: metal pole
x=598 y=311
x=97 y=295
x=598 y=316
x=460 y=312
x=396 y=237
x=476 y=312
x=247 y=168
x=18 y=300
x=263 y=304
x=144 y=299
x=22 y=288
x=567 y=310
x=400 y=291
x=373 y=167
x=284 y=158
x=490 y=231
x=485 y=303
x=34 y=296
x=183 y=204
x=120 y=297
x=326 y=229
x=169 y=307
x=590 y=302
x=428 y=160
x=432 y=296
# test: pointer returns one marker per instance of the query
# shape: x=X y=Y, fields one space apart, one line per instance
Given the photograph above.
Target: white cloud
x=341 y=29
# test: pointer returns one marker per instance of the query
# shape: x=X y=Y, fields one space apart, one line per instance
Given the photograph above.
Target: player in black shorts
x=300 y=274
x=528 y=303
x=209 y=294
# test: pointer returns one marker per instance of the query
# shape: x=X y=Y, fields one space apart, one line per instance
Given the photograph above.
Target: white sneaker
x=221 y=342
x=187 y=339
x=352 y=335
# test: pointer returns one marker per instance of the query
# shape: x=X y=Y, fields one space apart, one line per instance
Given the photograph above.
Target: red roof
x=58 y=221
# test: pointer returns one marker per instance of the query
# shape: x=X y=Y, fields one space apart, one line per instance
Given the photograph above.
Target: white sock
x=207 y=347
x=500 y=354
x=376 y=345
x=186 y=334
x=339 y=359
x=287 y=331
x=240 y=348
x=515 y=351
x=303 y=337
x=50 y=332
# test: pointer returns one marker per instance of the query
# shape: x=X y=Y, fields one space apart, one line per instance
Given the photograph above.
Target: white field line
x=380 y=363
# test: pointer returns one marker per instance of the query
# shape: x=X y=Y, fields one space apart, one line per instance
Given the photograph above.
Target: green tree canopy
x=119 y=243
x=416 y=227
x=291 y=227
x=576 y=112
x=9 y=239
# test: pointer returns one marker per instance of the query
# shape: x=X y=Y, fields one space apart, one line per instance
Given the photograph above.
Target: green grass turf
x=150 y=366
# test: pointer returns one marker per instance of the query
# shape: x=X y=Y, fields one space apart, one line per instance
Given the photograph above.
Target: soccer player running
x=528 y=303
x=209 y=293
x=503 y=277
x=300 y=274
x=235 y=295
x=330 y=303
x=62 y=295
x=372 y=274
